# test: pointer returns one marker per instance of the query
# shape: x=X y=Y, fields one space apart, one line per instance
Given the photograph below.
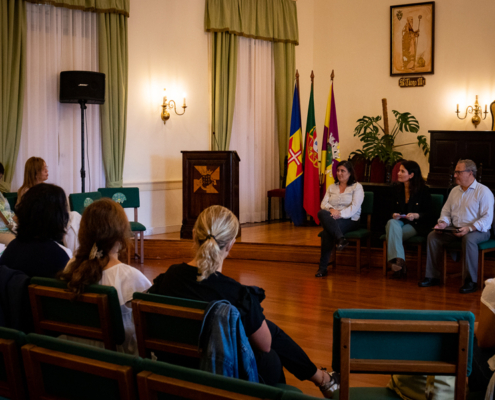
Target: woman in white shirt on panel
x=103 y=232
x=340 y=213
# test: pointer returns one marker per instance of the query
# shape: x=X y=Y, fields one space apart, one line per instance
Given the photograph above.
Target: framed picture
x=412 y=39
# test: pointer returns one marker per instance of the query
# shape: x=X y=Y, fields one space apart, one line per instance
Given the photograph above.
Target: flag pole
x=298 y=94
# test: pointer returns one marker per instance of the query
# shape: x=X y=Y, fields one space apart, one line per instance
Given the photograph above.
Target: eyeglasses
x=460 y=172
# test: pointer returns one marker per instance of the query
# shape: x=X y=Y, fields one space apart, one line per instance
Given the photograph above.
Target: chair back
x=168 y=326
x=403 y=342
x=367 y=209
x=11 y=198
x=378 y=171
x=127 y=197
x=60 y=369
x=163 y=380
x=437 y=204
x=12 y=381
x=79 y=201
x=93 y=315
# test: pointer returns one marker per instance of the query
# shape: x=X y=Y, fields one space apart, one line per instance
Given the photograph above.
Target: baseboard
x=157 y=230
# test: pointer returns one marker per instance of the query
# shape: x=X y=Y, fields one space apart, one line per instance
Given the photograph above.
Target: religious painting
x=412 y=34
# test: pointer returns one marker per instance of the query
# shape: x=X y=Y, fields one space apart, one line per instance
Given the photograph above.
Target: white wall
x=169 y=48
x=352 y=37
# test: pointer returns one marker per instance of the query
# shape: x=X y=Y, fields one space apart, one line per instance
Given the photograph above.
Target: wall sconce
x=168 y=104
x=477 y=112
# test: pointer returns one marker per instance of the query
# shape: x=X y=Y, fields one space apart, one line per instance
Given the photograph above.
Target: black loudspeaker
x=82 y=85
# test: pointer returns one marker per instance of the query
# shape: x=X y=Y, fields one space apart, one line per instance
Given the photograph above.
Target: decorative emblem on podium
x=208 y=179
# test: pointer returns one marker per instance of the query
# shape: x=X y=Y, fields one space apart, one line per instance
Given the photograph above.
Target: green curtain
x=12 y=83
x=273 y=20
x=113 y=54
x=100 y=6
x=284 y=56
x=224 y=75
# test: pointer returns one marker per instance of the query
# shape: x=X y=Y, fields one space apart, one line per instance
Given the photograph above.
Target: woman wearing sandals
x=340 y=213
x=411 y=215
x=202 y=278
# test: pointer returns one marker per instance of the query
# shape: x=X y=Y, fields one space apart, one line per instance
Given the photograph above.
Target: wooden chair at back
x=94 y=315
x=79 y=201
x=12 y=382
x=163 y=380
x=169 y=327
x=401 y=342
x=129 y=198
x=59 y=369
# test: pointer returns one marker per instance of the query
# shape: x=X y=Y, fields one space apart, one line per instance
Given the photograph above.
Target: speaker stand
x=82 y=103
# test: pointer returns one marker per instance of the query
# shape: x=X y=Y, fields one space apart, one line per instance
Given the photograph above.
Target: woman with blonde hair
x=202 y=279
x=103 y=232
x=35 y=171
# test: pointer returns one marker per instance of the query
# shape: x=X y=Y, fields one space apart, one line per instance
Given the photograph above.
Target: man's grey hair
x=470 y=165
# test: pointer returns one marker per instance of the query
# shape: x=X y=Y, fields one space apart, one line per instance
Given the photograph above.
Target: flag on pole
x=311 y=170
x=294 y=184
x=330 y=149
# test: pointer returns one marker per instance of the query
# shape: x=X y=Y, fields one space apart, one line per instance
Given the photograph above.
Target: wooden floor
x=303 y=305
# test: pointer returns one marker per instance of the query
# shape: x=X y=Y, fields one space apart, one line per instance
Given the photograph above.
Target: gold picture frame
x=412 y=39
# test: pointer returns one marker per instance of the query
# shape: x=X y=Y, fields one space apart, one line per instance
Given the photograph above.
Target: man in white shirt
x=469 y=208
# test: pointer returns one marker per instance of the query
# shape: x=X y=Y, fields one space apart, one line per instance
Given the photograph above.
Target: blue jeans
x=397 y=231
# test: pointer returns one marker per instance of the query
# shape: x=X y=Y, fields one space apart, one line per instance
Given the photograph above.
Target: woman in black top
x=411 y=214
x=37 y=250
x=202 y=279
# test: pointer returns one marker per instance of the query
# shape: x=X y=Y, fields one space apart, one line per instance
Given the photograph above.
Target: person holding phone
x=469 y=207
x=411 y=215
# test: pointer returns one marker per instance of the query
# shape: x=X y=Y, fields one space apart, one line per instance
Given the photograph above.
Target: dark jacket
x=14 y=300
x=419 y=203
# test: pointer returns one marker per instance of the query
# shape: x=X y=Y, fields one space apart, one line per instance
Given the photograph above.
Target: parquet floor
x=303 y=305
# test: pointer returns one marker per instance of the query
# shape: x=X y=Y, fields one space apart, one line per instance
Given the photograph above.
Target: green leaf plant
x=377 y=144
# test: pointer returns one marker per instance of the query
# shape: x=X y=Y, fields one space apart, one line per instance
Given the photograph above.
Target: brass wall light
x=477 y=112
x=168 y=104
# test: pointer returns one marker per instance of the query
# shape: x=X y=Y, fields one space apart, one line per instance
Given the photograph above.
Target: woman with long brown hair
x=103 y=232
x=35 y=171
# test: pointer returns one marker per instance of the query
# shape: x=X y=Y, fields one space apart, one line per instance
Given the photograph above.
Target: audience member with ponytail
x=202 y=279
x=103 y=232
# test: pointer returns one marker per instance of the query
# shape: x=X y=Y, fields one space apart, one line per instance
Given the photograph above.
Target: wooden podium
x=208 y=178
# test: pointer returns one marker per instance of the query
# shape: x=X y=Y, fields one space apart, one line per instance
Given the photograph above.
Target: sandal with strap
x=328 y=388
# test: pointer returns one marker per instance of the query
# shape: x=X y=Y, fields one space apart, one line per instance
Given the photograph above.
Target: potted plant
x=378 y=144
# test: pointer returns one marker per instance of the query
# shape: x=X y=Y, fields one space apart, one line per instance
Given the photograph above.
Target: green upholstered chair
x=169 y=327
x=417 y=240
x=79 y=201
x=128 y=198
x=401 y=342
x=163 y=380
x=483 y=248
x=94 y=315
x=11 y=198
x=60 y=369
x=12 y=382
x=359 y=234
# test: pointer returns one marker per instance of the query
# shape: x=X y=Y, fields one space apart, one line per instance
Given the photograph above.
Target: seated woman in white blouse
x=340 y=212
